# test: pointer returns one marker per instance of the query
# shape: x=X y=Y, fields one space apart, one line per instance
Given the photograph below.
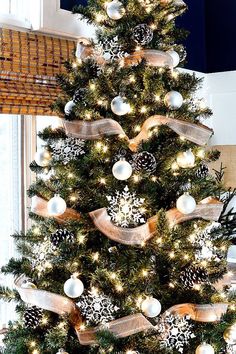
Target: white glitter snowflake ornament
x=67 y=149
x=125 y=209
x=175 y=331
x=97 y=308
x=110 y=49
x=41 y=254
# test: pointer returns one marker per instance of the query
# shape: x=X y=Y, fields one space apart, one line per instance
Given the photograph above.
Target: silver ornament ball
x=56 y=206
x=175 y=57
x=119 y=106
x=205 y=348
x=230 y=335
x=68 y=107
x=122 y=170
x=62 y=351
x=42 y=157
x=115 y=10
x=151 y=307
x=73 y=287
x=186 y=159
x=173 y=100
x=186 y=204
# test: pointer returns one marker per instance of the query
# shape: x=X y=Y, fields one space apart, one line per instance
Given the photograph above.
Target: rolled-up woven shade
x=29 y=63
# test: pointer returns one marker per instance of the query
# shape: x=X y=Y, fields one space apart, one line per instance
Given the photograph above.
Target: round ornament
x=79 y=96
x=175 y=57
x=68 y=107
x=151 y=307
x=230 y=335
x=173 y=100
x=115 y=10
x=56 y=206
x=62 y=351
x=205 y=348
x=42 y=157
x=186 y=159
x=142 y=34
x=73 y=287
x=145 y=161
x=186 y=204
x=28 y=285
x=119 y=106
x=122 y=170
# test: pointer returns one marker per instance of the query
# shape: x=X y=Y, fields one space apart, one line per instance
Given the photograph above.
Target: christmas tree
x=131 y=247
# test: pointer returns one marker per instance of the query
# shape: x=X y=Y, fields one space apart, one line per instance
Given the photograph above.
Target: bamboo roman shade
x=29 y=63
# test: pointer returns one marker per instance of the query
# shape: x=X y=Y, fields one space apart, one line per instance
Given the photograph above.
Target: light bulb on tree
x=186 y=159
x=119 y=106
x=115 y=9
x=151 y=307
x=186 y=204
x=205 y=348
x=122 y=170
x=73 y=287
x=56 y=206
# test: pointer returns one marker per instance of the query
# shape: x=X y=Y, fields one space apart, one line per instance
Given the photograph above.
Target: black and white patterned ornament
x=110 y=49
x=61 y=235
x=202 y=171
x=142 y=34
x=68 y=149
x=97 y=308
x=175 y=331
x=33 y=316
x=79 y=96
x=192 y=276
x=145 y=162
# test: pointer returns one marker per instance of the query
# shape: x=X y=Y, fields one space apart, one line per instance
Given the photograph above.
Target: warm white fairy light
x=92 y=87
x=172 y=255
x=98 y=145
x=201 y=153
x=99 y=17
x=153 y=26
x=70 y=175
x=182 y=138
x=186 y=257
x=144 y=273
x=138 y=48
x=119 y=288
x=33 y=344
x=137 y=128
x=161 y=70
x=36 y=230
x=136 y=178
x=94 y=291
x=175 y=166
x=81 y=239
x=143 y=109
x=172 y=285
x=95 y=256
x=157 y=98
x=159 y=240
x=102 y=181
x=105 y=148
x=100 y=102
x=113 y=276
x=44 y=320
x=88 y=115
x=132 y=78
x=202 y=104
x=35 y=351
x=73 y=198
x=175 y=74
x=197 y=287
x=82 y=327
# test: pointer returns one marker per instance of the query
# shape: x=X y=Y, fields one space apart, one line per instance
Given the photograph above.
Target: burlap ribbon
x=122 y=327
x=208 y=209
x=197 y=133
x=39 y=207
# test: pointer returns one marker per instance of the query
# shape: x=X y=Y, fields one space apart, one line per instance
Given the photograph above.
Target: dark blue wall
x=211 y=44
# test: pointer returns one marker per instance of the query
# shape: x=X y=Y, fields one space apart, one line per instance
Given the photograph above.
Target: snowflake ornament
x=41 y=253
x=175 y=331
x=110 y=49
x=97 y=308
x=125 y=209
x=67 y=149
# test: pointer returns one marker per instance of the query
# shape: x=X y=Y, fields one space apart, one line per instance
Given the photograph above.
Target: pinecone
x=142 y=34
x=61 y=235
x=33 y=316
x=191 y=276
x=145 y=161
x=202 y=171
x=79 y=95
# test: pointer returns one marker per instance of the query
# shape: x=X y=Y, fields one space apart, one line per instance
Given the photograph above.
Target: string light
x=70 y=175
x=159 y=240
x=197 y=287
x=157 y=98
x=75 y=64
x=175 y=74
x=35 y=351
x=95 y=256
x=132 y=79
x=100 y=102
x=153 y=26
x=186 y=257
x=144 y=273
x=143 y=109
x=81 y=239
x=171 y=285
x=137 y=128
x=138 y=48
x=172 y=255
x=154 y=179
x=102 y=180
x=92 y=87
x=136 y=178
x=201 y=153
x=88 y=115
x=99 y=17
x=44 y=320
x=119 y=288
x=82 y=327
x=98 y=145
x=36 y=231
x=175 y=166
x=105 y=148
x=94 y=291
x=33 y=344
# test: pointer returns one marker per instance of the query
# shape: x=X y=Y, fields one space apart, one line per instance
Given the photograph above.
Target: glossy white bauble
x=186 y=159
x=73 y=287
x=56 y=206
x=115 y=10
x=173 y=100
x=151 y=307
x=119 y=106
x=186 y=204
x=122 y=170
x=205 y=348
x=42 y=157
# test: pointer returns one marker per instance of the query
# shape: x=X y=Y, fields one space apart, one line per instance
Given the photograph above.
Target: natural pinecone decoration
x=32 y=316
x=79 y=95
x=142 y=34
x=145 y=161
x=61 y=235
x=191 y=276
x=202 y=171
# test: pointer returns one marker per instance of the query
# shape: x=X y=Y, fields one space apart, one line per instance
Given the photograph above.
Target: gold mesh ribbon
x=208 y=209
x=197 y=133
x=122 y=327
x=39 y=207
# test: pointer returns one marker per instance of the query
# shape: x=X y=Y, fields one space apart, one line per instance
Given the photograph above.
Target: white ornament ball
x=186 y=204
x=175 y=57
x=151 y=307
x=122 y=170
x=186 y=159
x=119 y=106
x=42 y=157
x=115 y=10
x=173 y=100
x=68 y=107
x=56 y=206
x=62 y=351
x=73 y=287
x=205 y=348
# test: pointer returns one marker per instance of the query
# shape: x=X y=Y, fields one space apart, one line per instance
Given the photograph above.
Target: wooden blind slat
x=29 y=63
